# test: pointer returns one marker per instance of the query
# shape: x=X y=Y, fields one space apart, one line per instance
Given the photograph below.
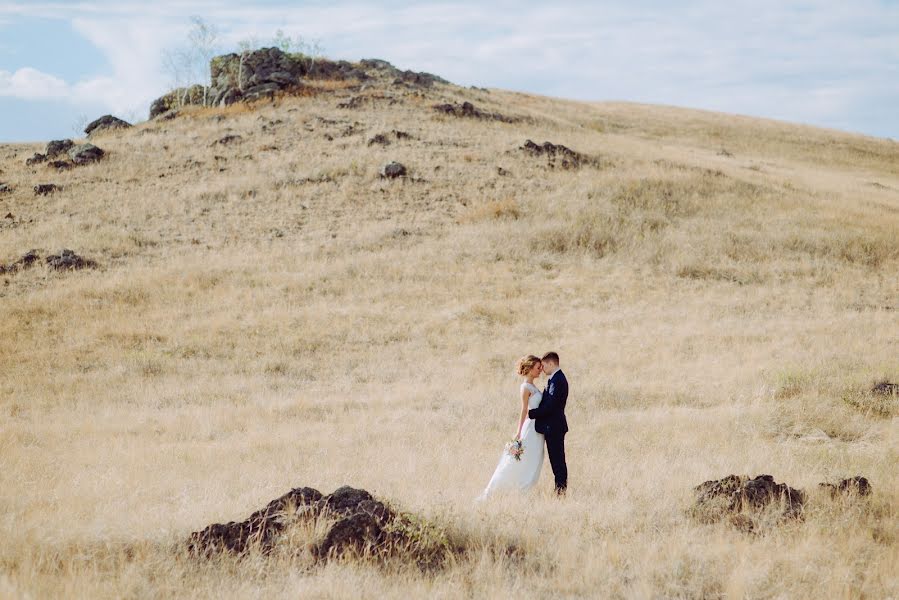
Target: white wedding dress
x=521 y=474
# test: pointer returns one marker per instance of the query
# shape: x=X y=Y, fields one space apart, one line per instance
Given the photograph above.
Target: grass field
x=269 y=313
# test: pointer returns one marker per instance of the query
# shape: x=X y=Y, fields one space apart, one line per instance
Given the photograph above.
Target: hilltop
x=262 y=305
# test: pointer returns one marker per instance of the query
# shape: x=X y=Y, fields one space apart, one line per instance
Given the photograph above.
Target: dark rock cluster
x=467 y=109
x=361 y=523
x=384 y=139
x=741 y=500
x=886 y=388
x=65 y=260
x=59 y=147
x=557 y=154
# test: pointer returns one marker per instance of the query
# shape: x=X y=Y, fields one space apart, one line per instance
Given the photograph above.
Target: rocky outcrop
x=743 y=501
x=467 y=109
x=105 y=123
x=85 y=154
x=358 y=523
x=65 y=260
x=58 y=147
x=557 y=154
x=265 y=72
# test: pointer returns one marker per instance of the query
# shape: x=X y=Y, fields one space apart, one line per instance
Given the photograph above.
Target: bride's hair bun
x=527 y=363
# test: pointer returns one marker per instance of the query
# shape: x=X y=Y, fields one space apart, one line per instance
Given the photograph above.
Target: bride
x=513 y=474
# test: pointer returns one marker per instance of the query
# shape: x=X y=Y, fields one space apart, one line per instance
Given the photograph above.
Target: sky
x=827 y=63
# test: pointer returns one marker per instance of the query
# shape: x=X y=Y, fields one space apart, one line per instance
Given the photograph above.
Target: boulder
x=36 y=159
x=43 y=189
x=58 y=147
x=28 y=259
x=392 y=170
x=886 y=388
x=105 y=123
x=85 y=154
x=854 y=486
x=740 y=498
x=60 y=165
x=67 y=260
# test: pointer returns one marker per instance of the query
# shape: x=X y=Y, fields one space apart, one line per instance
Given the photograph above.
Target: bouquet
x=515 y=449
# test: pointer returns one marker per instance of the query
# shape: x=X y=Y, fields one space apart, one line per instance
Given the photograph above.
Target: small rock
x=886 y=388
x=9 y=215
x=88 y=153
x=37 y=159
x=379 y=139
x=60 y=165
x=228 y=139
x=393 y=170
x=42 y=189
x=5 y=188
x=27 y=260
x=858 y=486
x=68 y=260
x=58 y=147
x=105 y=123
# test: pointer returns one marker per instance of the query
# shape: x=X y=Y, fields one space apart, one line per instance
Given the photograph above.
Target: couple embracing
x=542 y=422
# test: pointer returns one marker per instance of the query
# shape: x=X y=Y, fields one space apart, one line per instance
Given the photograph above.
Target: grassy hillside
x=269 y=313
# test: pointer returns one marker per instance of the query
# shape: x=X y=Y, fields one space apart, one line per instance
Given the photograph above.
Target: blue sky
x=827 y=63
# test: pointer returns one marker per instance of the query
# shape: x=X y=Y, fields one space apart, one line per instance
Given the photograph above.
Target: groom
x=549 y=419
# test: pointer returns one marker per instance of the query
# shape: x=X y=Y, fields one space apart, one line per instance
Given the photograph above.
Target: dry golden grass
x=270 y=314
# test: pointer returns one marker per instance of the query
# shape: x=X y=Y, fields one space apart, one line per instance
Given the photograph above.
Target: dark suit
x=549 y=419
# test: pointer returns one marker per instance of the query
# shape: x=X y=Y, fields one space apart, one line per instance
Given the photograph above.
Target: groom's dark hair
x=551 y=356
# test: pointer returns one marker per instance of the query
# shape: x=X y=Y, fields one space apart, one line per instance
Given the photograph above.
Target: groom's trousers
x=555 y=447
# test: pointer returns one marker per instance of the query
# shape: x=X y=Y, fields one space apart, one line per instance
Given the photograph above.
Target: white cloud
x=31 y=84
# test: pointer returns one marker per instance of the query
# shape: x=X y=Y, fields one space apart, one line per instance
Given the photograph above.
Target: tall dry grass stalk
x=723 y=292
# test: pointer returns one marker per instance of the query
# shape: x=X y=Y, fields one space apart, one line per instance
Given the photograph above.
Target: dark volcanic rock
x=356 y=532
x=393 y=170
x=60 y=165
x=37 y=159
x=858 y=486
x=42 y=189
x=358 y=522
x=85 y=154
x=58 y=147
x=566 y=157
x=28 y=259
x=68 y=260
x=467 y=109
x=886 y=388
x=739 y=498
x=105 y=123
x=228 y=139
